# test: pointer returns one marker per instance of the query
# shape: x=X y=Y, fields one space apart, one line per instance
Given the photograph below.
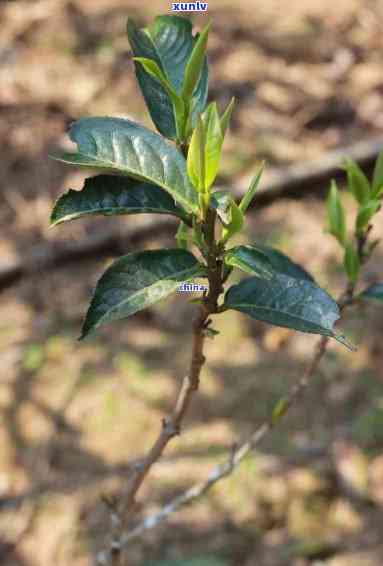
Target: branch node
x=170 y=428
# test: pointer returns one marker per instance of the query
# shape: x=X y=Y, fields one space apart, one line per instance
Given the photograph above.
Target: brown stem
x=171 y=426
x=240 y=452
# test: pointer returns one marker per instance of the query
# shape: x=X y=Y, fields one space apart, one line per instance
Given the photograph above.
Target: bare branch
x=225 y=469
x=238 y=454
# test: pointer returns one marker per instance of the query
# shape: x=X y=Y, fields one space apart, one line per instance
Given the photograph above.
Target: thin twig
x=234 y=459
x=238 y=454
x=120 y=510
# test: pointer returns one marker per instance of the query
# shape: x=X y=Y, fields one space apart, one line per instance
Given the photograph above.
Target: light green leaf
x=287 y=302
x=365 y=214
x=205 y=150
x=374 y=292
x=136 y=281
x=109 y=195
x=228 y=212
x=153 y=70
x=235 y=225
x=226 y=116
x=213 y=143
x=169 y=42
x=196 y=164
x=351 y=262
x=129 y=149
x=335 y=214
x=377 y=181
x=248 y=197
x=357 y=182
x=195 y=64
x=264 y=262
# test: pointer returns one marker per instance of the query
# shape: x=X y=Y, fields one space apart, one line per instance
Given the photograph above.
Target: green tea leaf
x=153 y=70
x=129 y=149
x=374 y=292
x=335 y=214
x=196 y=164
x=109 y=195
x=284 y=301
x=264 y=262
x=248 y=197
x=195 y=64
x=357 y=182
x=169 y=43
x=213 y=143
x=226 y=116
x=136 y=281
x=235 y=225
x=377 y=181
x=365 y=214
x=205 y=150
x=351 y=262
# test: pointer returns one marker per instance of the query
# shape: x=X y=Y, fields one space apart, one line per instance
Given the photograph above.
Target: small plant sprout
x=173 y=172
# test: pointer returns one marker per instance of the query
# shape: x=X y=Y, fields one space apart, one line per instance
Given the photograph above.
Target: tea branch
x=120 y=510
x=171 y=426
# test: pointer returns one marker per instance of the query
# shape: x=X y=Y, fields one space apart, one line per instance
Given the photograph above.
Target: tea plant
x=173 y=172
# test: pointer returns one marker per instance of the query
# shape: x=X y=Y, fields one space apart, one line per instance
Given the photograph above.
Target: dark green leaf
x=130 y=149
x=153 y=70
x=157 y=100
x=109 y=194
x=373 y=292
x=284 y=301
x=264 y=262
x=136 y=281
x=169 y=43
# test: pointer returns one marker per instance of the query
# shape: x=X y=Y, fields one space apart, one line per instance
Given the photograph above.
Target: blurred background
x=308 y=79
